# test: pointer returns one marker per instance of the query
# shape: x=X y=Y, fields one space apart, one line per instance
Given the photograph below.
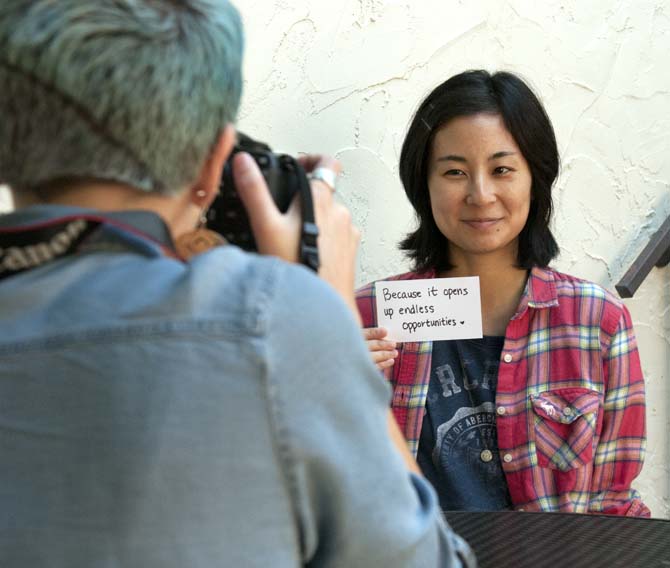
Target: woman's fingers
x=382 y=351
x=374 y=333
x=379 y=357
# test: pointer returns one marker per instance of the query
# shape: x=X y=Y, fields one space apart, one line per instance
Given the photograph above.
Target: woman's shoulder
x=568 y=284
x=587 y=296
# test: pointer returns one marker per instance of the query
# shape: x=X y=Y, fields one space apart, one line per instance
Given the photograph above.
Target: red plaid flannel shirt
x=570 y=396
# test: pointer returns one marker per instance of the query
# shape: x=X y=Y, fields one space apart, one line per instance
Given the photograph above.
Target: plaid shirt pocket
x=565 y=423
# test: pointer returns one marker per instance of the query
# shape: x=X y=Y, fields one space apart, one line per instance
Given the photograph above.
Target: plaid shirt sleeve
x=619 y=452
x=367 y=308
x=365 y=300
x=410 y=374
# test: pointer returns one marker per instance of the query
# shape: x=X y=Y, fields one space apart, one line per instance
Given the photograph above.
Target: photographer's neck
x=178 y=211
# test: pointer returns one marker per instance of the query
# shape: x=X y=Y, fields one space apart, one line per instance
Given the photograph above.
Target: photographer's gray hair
x=133 y=91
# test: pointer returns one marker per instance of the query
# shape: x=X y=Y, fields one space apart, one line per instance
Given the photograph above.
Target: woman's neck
x=501 y=285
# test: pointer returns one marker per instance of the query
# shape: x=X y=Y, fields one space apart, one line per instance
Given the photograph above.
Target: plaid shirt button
x=508 y=458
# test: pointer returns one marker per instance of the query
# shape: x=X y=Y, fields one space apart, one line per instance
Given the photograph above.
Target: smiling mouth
x=481 y=223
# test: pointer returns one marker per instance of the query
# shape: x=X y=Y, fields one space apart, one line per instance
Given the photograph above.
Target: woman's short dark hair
x=466 y=94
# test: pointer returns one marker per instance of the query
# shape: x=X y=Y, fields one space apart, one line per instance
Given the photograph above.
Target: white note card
x=431 y=309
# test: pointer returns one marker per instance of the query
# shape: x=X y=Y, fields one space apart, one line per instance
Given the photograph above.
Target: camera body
x=227 y=215
x=285 y=178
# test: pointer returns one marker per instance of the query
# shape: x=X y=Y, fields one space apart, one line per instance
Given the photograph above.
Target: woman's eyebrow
x=502 y=154
x=456 y=158
x=452 y=158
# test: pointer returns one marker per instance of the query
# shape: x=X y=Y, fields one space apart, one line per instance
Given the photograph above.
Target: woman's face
x=479 y=185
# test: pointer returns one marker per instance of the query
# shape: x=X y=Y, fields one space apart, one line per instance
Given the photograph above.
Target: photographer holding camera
x=156 y=410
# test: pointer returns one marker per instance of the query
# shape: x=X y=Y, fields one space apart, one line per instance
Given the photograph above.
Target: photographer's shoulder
x=262 y=293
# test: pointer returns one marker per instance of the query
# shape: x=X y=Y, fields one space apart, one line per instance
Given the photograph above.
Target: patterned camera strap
x=30 y=246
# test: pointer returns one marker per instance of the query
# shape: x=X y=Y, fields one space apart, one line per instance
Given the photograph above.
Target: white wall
x=5 y=200
x=344 y=77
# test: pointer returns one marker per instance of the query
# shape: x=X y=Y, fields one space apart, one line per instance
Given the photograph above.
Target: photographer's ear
x=208 y=180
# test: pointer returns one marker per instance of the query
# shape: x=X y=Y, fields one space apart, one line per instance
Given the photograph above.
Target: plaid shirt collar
x=540 y=291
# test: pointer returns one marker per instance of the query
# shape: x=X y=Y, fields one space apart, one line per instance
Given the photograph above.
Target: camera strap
x=309 y=252
x=32 y=245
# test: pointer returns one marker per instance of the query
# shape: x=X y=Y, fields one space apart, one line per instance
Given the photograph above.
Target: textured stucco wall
x=344 y=78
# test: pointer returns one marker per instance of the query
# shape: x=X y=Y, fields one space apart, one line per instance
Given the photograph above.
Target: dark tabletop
x=504 y=539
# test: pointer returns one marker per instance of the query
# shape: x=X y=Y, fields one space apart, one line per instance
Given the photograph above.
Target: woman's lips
x=481 y=224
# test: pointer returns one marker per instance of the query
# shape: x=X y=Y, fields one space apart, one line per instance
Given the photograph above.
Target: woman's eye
x=501 y=170
x=454 y=173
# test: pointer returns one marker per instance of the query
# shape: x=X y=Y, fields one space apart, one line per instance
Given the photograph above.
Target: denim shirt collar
x=142 y=231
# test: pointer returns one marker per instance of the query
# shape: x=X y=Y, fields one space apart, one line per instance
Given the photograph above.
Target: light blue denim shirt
x=221 y=412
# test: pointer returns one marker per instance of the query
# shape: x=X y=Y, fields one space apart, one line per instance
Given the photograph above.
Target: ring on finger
x=324 y=175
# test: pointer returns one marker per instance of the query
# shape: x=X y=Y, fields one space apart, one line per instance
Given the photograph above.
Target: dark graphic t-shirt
x=458 y=447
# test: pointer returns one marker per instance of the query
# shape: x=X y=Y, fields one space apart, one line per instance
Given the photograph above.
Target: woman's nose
x=481 y=191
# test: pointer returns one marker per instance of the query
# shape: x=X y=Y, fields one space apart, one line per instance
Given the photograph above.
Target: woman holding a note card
x=539 y=405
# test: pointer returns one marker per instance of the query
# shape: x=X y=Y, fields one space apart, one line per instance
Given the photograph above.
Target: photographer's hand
x=278 y=234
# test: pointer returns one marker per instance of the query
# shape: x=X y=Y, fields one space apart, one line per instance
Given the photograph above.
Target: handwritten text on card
x=431 y=309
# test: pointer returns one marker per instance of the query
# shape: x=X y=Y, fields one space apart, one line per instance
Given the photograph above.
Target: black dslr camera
x=285 y=178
